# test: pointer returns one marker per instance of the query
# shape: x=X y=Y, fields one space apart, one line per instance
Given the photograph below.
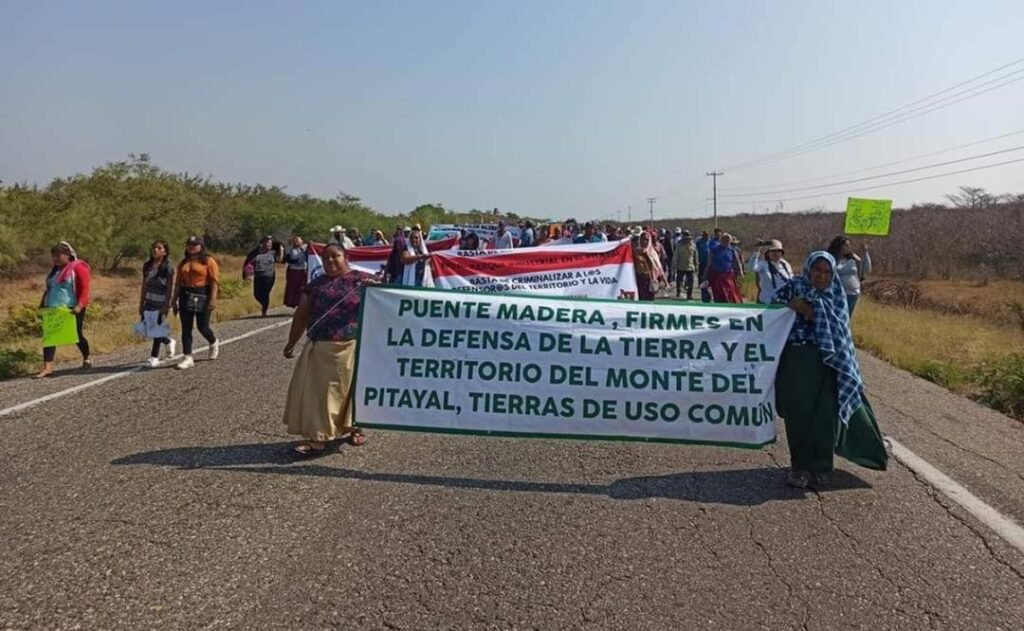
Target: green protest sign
x=59 y=328
x=868 y=216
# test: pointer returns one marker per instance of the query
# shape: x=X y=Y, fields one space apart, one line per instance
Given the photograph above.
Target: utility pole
x=650 y=201
x=629 y=215
x=714 y=184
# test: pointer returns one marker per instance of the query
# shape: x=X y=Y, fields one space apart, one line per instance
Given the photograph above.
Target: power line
x=753 y=189
x=874 y=187
x=874 y=177
x=883 y=125
x=877 y=121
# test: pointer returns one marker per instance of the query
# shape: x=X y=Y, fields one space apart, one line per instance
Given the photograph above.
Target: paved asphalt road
x=166 y=500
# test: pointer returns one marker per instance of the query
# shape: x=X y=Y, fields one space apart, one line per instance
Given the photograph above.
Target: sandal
x=307 y=450
x=356 y=438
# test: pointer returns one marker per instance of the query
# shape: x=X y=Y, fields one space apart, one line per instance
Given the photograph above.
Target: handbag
x=195 y=300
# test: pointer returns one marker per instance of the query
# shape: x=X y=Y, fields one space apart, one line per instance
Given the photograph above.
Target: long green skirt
x=807 y=397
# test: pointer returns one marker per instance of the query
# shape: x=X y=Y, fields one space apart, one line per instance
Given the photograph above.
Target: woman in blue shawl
x=819 y=391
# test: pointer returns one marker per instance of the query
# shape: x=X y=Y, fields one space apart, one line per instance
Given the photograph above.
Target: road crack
x=937 y=497
x=790 y=590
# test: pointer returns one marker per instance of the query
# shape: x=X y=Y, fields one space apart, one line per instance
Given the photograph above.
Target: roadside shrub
x=1003 y=385
x=22 y=321
x=104 y=309
x=941 y=373
x=15 y=363
x=232 y=289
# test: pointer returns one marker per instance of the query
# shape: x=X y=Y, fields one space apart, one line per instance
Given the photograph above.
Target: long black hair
x=836 y=247
x=164 y=270
x=203 y=255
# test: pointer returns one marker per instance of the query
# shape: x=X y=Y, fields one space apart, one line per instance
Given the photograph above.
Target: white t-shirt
x=503 y=241
x=769 y=282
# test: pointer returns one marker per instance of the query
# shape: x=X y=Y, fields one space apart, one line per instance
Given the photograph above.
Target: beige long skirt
x=319 y=405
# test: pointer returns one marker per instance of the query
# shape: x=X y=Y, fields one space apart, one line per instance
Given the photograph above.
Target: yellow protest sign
x=59 y=327
x=868 y=216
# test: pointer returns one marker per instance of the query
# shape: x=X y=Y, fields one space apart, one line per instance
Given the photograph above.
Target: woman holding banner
x=646 y=266
x=416 y=260
x=818 y=389
x=319 y=404
x=67 y=287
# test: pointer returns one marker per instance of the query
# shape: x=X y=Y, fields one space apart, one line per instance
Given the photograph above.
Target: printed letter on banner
x=544 y=366
x=595 y=270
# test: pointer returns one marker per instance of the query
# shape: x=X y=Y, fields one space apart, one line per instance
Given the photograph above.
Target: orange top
x=195 y=273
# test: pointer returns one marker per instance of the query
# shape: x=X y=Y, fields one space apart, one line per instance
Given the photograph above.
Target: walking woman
x=295 y=276
x=852 y=269
x=319 y=404
x=722 y=271
x=157 y=291
x=67 y=285
x=195 y=298
x=818 y=389
x=646 y=266
x=260 y=264
x=416 y=260
x=772 y=272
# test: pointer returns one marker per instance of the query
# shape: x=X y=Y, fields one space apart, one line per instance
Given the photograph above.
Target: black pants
x=684 y=280
x=50 y=352
x=157 y=343
x=261 y=288
x=201 y=321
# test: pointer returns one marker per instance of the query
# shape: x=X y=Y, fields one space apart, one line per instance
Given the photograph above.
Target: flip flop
x=305 y=450
x=356 y=438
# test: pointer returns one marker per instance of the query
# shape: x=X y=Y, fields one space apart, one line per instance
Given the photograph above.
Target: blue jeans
x=851 y=303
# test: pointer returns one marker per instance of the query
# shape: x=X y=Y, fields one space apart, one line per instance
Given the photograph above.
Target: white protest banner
x=432 y=360
x=593 y=270
x=371 y=258
x=551 y=242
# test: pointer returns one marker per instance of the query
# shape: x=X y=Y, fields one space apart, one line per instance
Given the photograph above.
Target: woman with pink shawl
x=67 y=286
x=650 y=275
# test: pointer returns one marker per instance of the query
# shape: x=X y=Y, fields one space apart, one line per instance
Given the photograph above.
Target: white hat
x=337 y=229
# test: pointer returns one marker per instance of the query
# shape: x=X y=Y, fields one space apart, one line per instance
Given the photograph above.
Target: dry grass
x=946 y=348
x=991 y=300
x=112 y=312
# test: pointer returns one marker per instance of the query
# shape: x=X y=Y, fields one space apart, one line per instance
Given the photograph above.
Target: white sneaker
x=215 y=350
x=186 y=363
x=172 y=348
x=153 y=362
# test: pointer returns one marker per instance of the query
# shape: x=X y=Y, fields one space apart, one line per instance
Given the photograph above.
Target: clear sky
x=545 y=108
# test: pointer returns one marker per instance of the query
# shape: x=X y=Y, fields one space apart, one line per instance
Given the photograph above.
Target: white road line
x=1005 y=527
x=127 y=371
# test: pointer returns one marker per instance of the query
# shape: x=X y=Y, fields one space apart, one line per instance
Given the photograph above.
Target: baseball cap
x=194 y=240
